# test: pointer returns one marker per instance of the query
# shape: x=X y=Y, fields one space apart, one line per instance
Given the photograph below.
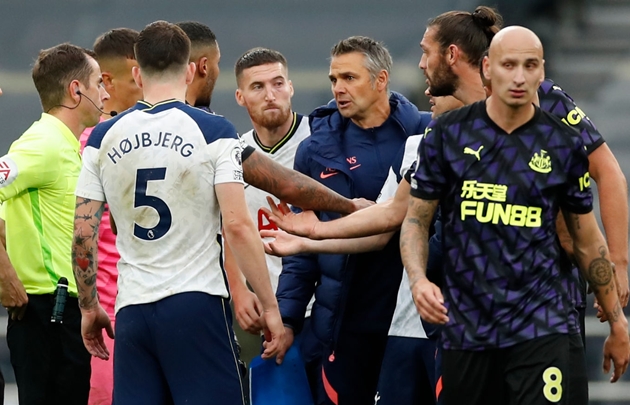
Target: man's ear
x=137 y=76
x=453 y=54
x=190 y=72
x=238 y=95
x=108 y=81
x=382 y=80
x=202 y=66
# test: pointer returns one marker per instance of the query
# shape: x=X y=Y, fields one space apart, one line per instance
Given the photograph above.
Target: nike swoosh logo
x=354 y=167
x=323 y=175
x=246 y=185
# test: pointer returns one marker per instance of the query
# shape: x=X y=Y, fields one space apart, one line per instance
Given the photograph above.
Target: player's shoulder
x=570 y=134
x=42 y=136
x=248 y=137
x=102 y=128
x=213 y=126
x=466 y=113
x=550 y=89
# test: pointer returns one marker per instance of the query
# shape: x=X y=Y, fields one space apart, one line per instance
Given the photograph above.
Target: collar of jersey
x=63 y=128
x=157 y=107
x=518 y=130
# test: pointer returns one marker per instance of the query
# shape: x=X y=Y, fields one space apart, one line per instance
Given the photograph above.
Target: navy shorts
x=179 y=350
x=408 y=372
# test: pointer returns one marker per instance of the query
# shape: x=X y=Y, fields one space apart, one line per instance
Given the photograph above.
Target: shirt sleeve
x=27 y=165
x=228 y=163
x=429 y=180
x=557 y=102
x=89 y=184
x=577 y=196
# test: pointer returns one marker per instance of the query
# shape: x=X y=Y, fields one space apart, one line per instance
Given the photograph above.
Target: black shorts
x=530 y=373
x=578 y=378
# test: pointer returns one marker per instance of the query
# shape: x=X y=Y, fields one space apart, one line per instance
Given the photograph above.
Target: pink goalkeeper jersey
x=108 y=256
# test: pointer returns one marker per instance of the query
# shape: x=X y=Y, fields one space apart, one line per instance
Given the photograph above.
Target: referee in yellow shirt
x=37 y=182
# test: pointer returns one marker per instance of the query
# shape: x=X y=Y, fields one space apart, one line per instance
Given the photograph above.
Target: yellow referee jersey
x=38 y=178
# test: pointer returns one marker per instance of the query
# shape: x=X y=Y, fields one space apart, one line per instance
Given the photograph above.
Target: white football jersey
x=283 y=153
x=406 y=320
x=156 y=166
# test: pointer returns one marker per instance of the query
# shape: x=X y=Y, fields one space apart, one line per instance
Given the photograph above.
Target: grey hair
x=377 y=57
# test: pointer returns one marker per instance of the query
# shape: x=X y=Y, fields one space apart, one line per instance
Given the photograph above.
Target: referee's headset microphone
x=111 y=113
x=78 y=92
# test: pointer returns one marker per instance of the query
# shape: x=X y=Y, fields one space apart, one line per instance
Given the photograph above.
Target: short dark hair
x=377 y=57
x=116 y=43
x=198 y=33
x=257 y=57
x=162 y=47
x=471 y=32
x=55 y=68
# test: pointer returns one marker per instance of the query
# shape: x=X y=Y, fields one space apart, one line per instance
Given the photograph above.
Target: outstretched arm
x=613 y=206
x=593 y=259
x=294 y=187
x=94 y=319
x=285 y=244
x=414 y=249
x=379 y=218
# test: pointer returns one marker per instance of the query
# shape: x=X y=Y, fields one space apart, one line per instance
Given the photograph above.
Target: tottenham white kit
x=283 y=153
x=406 y=320
x=156 y=166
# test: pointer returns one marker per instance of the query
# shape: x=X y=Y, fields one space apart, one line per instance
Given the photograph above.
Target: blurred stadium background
x=587 y=45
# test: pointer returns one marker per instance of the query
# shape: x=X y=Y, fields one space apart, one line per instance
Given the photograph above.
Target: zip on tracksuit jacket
x=358 y=291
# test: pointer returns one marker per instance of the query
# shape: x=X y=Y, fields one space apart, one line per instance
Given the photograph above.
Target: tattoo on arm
x=84 y=249
x=613 y=316
x=291 y=186
x=600 y=270
x=414 y=237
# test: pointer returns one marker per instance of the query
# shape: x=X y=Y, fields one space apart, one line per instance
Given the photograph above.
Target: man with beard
x=265 y=90
x=205 y=54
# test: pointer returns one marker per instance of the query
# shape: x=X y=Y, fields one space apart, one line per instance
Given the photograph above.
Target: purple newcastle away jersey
x=499 y=196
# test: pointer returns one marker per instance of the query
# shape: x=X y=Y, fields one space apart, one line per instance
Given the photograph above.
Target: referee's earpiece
x=78 y=92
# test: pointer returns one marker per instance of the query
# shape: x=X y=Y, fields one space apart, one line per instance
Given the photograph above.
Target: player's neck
x=271 y=136
x=506 y=117
x=470 y=89
x=156 y=92
x=376 y=115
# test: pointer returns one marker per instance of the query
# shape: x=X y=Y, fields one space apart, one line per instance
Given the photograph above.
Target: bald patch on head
x=515 y=38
